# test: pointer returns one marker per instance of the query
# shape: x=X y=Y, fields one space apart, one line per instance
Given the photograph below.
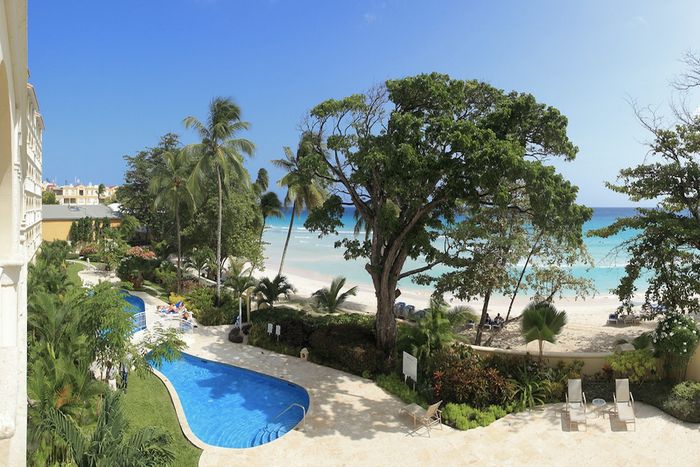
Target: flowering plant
x=140 y=252
x=676 y=337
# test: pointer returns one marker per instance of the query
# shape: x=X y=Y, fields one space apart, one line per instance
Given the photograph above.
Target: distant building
x=21 y=129
x=57 y=219
x=81 y=195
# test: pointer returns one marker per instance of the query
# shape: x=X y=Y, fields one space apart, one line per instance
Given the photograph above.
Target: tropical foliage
x=304 y=188
x=169 y=187
x=542 y=322
x=413 y=154
x=70 y=329
x=270 y=290
x=219 y=155
x=331 y=298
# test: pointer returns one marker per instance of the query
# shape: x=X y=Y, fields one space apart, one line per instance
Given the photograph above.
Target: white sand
x=586 y=330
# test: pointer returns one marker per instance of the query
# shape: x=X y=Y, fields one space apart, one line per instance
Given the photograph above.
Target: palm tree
x=108 y=443
x=100 y=192
x=220 y=155
x=238 y=277
x=271 y=289
x=304 y=189
x=200 y=258
x=169 y=185
x=330 y=298
x=542 y=322
x=270 y=206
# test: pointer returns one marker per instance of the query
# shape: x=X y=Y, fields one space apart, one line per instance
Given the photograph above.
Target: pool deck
x=351 y=421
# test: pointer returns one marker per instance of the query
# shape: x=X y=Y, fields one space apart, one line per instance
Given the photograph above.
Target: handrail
x=294 y=404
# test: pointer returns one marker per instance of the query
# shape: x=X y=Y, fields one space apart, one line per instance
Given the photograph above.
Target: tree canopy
x=414 y=153
x=666 y=240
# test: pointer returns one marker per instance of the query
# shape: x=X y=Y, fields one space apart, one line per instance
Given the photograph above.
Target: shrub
x=461 y=377
x=201 y=303
x=684 y=401
x=395 y=385
x=465 y=417
x=348 y=346
x=637 y=365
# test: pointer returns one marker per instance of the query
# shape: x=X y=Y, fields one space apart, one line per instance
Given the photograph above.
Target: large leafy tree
x=240 y=226
x=304 y=189
x=169 y=186
x=134 y=194
x=412 y=153
x=219 y=155
x=666 y=240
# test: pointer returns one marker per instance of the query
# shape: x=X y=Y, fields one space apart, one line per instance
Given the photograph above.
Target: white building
x=83 y=195
x=20 y=223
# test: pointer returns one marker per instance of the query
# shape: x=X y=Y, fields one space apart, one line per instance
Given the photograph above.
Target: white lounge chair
x=576 y=403
x=424 y=417
x=624 y=402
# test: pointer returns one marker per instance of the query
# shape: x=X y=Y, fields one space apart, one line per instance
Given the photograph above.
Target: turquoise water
x=317 y=256
x=232 y=407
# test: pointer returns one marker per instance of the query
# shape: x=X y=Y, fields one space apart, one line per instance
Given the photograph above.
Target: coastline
x=586 y=330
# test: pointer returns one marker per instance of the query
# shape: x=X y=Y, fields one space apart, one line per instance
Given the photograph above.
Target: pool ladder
x=291 y=406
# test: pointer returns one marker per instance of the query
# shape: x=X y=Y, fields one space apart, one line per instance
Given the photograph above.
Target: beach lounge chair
x=624 y=402
x=424 y=417
x=612 y=318
x=471 y=324
x=576 y=403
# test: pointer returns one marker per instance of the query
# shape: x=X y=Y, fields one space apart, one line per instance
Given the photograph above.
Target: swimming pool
x=233 y=407
x=136 y=306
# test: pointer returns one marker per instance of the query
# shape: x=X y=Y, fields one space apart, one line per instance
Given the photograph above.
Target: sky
x=113 y=76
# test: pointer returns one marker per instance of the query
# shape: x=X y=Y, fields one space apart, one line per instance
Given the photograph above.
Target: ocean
x=317 y=256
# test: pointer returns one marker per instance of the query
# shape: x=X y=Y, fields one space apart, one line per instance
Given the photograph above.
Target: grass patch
x=73 y=269
x=147 y=403
x=395 y=385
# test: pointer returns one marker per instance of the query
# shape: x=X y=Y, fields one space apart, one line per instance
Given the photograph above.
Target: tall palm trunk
x=289 y=234
x=260 y=241
x=218 y=238
x=179 y=249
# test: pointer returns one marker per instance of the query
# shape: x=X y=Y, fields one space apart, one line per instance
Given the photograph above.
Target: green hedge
x=395 y=385
x=465 y=417
x=345 y=341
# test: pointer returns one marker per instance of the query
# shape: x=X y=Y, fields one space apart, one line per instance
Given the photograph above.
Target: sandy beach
x=587 y=329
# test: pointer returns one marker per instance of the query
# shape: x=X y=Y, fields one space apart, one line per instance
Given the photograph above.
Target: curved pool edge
x=185 y=426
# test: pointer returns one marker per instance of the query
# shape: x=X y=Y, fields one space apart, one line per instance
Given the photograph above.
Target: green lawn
x=73 y=270
x=147 y=403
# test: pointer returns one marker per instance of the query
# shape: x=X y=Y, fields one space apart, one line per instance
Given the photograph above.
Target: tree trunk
x=385 y=323
x=540 y=343
x=218 y=238
x=179 y=250
x=289 y=233
x=484 y=310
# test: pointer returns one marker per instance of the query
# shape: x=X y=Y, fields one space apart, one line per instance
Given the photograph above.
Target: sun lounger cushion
x=625 y=412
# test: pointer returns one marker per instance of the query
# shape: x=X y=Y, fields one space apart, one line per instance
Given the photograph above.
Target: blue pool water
x=232 y=407
x=135 y=305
